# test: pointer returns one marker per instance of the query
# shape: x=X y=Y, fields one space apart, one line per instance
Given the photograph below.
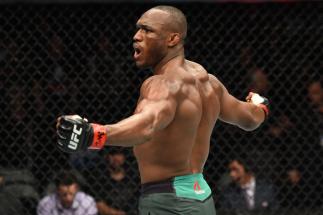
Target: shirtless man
x=171 y=128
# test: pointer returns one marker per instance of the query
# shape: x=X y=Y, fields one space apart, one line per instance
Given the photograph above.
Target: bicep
x=157 y=101
x=161 y=111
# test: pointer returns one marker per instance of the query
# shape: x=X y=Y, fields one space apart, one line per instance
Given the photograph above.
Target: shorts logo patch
x=197 y=188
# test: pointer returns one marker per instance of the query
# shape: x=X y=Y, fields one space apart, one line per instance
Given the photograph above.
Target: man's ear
x=174 y=39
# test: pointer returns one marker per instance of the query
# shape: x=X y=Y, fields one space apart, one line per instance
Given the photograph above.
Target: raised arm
x=155 y=110
x=246 y=115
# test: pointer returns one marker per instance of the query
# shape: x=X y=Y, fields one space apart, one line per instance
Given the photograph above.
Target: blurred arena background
x=76 y=57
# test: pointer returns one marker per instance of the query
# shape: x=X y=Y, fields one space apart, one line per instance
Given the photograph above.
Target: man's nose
x=232 y=175
x=70 y=198
x=137 y=37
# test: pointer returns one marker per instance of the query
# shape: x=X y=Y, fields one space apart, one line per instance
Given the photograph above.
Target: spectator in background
x=107 y=180
x=115 y=192
x=280 y=127
x=299 y=191
x=315 y=95
x=67 y=199
x=259 y=81
x=246 y=193
x=256 y=78
x=55 y=84
x=60 y=80
x=292 y=193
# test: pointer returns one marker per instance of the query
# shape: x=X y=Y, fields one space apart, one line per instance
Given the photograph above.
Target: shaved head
x=176 y=21
x=160 y=36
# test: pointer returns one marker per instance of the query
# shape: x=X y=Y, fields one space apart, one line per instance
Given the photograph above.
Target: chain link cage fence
x=77 y=58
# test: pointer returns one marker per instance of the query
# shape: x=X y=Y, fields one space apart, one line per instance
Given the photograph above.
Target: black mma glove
x=77 y=135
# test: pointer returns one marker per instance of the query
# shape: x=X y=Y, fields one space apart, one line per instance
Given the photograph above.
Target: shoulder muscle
x=158 y=88
x=216 y=84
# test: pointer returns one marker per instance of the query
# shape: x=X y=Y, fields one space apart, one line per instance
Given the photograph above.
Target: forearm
x=251 y=116
x=134 y=130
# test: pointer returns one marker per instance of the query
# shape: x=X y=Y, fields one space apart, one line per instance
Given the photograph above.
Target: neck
x=170 y=59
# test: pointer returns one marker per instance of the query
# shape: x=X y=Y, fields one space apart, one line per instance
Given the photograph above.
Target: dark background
x=77 y=58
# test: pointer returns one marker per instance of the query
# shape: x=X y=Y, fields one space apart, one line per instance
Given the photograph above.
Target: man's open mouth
x=137 y=51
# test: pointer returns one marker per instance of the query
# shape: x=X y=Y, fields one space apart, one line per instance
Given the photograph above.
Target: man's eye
x=146 y=30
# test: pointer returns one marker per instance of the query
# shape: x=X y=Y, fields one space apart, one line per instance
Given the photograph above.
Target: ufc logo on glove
x=75 y=138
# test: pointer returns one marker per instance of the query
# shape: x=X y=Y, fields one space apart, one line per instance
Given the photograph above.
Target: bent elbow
x=251 y=125
x=249 y=128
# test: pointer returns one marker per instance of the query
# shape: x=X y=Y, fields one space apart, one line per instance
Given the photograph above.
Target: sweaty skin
x=183 y=146
x=178 y=106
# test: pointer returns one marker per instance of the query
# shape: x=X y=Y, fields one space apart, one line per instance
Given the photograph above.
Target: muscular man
x=171 y=128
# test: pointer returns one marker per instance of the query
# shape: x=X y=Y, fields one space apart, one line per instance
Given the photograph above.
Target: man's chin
x=141 y=65
x=67 y=206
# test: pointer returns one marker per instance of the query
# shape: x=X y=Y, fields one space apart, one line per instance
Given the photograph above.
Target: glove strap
x=99 y=136
x=261 y=102
x=265 y=109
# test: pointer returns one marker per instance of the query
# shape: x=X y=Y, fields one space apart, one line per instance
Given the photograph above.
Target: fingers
x=60 y=143
x=64 y=121
x=248 y=98
x=73 y=117
x=58 y=122
x=257 y=99
x=60 y=134
x=61 y=128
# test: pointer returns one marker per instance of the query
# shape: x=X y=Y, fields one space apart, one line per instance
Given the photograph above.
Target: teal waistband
x=192 y=186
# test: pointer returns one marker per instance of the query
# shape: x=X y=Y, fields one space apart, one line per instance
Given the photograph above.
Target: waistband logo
x=197 y=188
